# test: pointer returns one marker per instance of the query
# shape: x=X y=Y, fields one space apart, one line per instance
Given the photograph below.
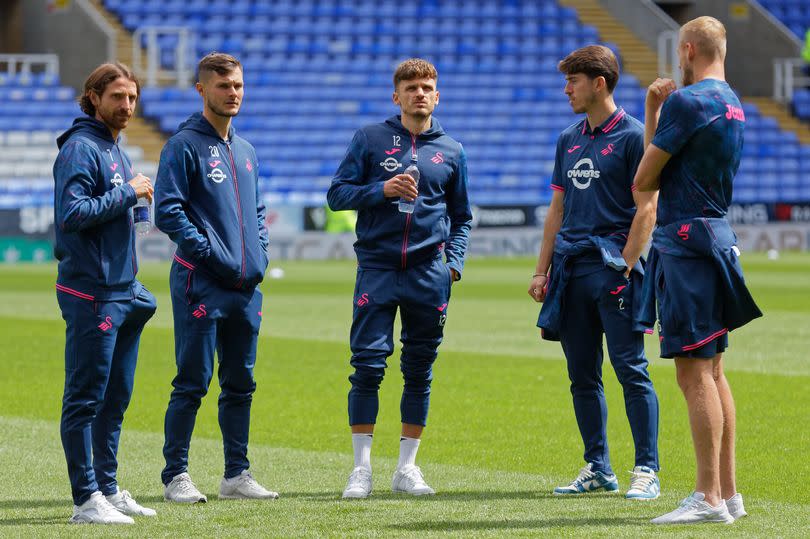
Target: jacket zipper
x=239 y=212
x=408 y=216
x=131 y=221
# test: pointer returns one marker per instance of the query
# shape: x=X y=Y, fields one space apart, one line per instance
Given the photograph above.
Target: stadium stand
x=38 y=111
x=317 y=70
x=795 y=14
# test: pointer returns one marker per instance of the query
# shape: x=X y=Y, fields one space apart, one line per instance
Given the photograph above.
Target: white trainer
x=244 y=487
x=126 y=504
x=181 y=489
x=735 y=506
x=97 y=510
x=409 y=480
x=694 y=510
x=644 y=485
x=359 y=485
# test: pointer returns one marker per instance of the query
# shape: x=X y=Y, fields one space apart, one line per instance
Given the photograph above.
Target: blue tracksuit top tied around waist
x=565 y=252
x=95 y=237
x=386 y=237
x=207 y=200
x=711 y=238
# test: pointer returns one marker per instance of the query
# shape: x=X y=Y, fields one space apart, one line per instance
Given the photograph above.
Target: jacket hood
x=88 y=126
x=434 y=131
x=197 y=122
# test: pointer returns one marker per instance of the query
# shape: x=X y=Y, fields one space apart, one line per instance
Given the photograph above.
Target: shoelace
x=641 y=481
x=358 y=474
x=584 y=474
x=185 y=486
x=415 y=476
x=690 y=502
x=126 y=497
x=105 y=506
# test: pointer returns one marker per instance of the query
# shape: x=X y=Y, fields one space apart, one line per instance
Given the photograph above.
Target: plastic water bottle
x=142 y=216
x=407 y=206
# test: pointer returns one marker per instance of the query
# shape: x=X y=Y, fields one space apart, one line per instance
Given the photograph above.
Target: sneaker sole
x=642 y=498
x=595 y=491
x=190 y=502
x=239 y=497
x=413 y=493
x=72 y=521
x=354 y=497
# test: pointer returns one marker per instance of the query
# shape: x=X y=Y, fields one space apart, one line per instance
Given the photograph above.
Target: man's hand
x=401 y=185
x=658 y=92
x=537 y=288
x=453 y=276
x=143 y=186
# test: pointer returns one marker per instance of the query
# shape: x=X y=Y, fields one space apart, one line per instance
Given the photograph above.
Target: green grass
x=501 y=434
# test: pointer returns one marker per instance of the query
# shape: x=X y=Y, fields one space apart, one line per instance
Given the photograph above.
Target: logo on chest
x=391 y=164
x=117 y=180
x=216 y=175
x=582 y=173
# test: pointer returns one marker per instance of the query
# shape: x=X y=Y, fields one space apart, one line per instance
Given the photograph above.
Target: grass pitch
x=501 y=432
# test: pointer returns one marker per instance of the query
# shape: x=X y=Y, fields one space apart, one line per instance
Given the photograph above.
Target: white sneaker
x=410 y=481
x=694 y=510
x=644 y=485
x=359 y=485
x=181 y=489
x=735 y=506
x=126 y=504
x=97 y=510
x=244 y=487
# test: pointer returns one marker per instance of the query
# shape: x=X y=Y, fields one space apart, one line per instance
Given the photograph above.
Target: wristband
x=539 y=275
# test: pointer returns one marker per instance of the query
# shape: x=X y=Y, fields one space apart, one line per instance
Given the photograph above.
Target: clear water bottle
x=407 y=206
x=142 y=216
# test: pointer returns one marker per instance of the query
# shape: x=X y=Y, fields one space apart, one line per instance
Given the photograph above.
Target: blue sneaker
x=589 y=481
x=644 y=485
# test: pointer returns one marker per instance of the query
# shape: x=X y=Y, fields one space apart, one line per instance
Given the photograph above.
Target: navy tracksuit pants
x=421 y=293
x=209 y=318
x=600 y=303
x=101 y=350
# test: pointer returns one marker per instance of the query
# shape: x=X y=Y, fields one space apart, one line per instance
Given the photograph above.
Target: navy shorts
x=690 y=308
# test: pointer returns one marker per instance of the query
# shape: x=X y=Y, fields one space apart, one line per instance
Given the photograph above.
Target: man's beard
x=113 y=120
x=688 y=76
x=221 y=112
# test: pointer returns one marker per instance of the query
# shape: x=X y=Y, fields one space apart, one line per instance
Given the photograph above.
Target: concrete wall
x=73 y=33
x=755 y=38
x=643 y=17
x=10 y=23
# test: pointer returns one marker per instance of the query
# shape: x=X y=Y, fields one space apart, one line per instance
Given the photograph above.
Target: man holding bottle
x=408 y=181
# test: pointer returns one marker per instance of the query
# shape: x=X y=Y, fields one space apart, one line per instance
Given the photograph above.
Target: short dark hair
x=415 y=68
x=594 y=61
x=219 y=63
x=100 y=78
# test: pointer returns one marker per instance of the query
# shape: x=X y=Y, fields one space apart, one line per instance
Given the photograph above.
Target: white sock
x=407 y=451
x=362 y=449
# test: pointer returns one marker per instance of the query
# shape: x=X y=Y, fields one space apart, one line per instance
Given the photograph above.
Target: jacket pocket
x=219 y=261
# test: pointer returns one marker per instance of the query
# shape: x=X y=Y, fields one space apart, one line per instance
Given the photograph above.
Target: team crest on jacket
x=117 y=180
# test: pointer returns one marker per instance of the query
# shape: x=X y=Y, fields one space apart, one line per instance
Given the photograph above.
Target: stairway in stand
x=140 y=132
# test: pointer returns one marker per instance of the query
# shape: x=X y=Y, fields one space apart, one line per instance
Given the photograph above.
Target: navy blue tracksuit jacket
x=207 y=200
x=95 y=239
x=386 y=238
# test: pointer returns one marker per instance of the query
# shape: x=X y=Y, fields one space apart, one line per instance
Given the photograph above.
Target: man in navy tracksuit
x=104 y=306
x=208 y=202
x=401 y=261
x=693 y=153
x=593 y=236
